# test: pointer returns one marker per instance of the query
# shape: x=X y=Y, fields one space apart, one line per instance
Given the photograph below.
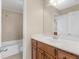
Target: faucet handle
x=3 y=49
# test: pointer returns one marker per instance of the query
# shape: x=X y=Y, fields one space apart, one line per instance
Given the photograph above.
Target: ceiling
x=17 y=5
x=13 y=5
x=65 y=4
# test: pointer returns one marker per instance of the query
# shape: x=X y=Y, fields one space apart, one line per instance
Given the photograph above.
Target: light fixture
x=55 y=2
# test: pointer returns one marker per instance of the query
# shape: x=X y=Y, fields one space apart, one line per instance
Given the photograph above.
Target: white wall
x=48 y=22
x=73 y=23
x=33 y=23
x=49 y=13
x=67 y=24
x=37 y=19
x=62 y=24
x=12 y=24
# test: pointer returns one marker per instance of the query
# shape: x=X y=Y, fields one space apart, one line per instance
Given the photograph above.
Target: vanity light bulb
x=59 y=2
x=51 y=1
x=55 y=2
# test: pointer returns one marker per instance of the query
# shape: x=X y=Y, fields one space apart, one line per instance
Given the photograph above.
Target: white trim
x=0 y=24
x=9 y=43
x=25 y=30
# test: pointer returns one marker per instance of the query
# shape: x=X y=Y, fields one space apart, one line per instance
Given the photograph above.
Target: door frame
x=25 y=30
x=0 y=24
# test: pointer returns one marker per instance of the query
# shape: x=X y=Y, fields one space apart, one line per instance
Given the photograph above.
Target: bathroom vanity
x=51 y=49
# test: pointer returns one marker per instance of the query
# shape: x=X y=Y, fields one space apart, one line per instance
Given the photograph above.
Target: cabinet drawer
x=64 y=55
x=34 y=42
x=50 y=50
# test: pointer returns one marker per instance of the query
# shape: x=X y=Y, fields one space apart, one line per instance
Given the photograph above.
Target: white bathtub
x=14 y=47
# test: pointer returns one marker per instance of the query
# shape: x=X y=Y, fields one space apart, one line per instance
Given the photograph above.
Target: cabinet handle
x=64 y=58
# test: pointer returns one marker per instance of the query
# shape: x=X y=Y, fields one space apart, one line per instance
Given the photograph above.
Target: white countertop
x=69 y=45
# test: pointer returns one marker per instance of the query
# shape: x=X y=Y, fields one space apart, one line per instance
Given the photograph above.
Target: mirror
x=65 y=15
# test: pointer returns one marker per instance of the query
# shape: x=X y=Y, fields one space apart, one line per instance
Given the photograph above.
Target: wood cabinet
x=65 y=55
x=34 y=49
x=33 y=53
x=44 y=51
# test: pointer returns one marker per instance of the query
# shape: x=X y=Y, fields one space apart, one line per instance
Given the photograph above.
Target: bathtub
x=13 y=47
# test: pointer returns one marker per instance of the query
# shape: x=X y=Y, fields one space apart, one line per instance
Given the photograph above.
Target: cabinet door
x=47 y=52
x=43 y=55
x=50 y=50
x=40 y=54
x=34 y=53
x=34 y=49
x=71 y=57
x=48 y=56
x=65 y=55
